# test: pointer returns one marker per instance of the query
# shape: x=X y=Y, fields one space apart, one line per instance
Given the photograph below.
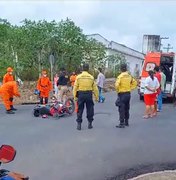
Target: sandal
x=153 y=115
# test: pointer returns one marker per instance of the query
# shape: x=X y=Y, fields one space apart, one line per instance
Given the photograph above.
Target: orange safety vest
x=73 y=79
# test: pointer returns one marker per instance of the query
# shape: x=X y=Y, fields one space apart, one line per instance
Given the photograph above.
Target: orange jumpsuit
x=44 y=85
x=7 y=77
x=72 y=80
x=7 y=91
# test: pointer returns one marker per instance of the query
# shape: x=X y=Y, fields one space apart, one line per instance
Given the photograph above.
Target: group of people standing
x=153 y=93
x=82 y=85
x=61 y=82
x=85 y=88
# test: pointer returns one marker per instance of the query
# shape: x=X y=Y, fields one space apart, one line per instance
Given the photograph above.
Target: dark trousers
x=43 y=100
x=11 y=102
x=85 y=98
x=124 y=107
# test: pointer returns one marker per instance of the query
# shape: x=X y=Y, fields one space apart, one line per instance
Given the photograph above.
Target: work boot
x=12 y=108
x=79 y=126
x=10 y=112
x=90 y=125
x=126 y=123
x=120 y=126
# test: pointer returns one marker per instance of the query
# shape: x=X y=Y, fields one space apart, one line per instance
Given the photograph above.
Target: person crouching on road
x=83 y=90
x=7 y=91
x=44 y=85
x=150 y=94
x=124 y=84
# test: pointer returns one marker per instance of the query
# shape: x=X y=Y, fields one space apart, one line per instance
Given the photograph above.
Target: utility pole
x=168 y=47
x=51 y=60
x=160 y=42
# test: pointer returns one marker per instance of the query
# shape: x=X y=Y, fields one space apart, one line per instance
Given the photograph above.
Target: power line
x=160 y=42
x=168 y=47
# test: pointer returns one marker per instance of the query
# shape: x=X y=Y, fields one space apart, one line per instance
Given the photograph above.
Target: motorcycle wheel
x=70 y=106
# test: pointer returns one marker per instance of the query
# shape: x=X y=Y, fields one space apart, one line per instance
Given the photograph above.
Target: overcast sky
x=121 y=21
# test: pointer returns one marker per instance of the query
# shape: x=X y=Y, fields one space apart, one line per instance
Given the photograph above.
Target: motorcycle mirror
x=7 y=154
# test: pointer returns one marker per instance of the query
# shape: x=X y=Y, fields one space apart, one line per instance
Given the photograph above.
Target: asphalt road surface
x=51 y=149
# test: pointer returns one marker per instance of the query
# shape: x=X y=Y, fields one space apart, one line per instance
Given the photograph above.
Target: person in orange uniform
x=73 y=79
x=44 y=85
x=8 y=76
x=7 y=91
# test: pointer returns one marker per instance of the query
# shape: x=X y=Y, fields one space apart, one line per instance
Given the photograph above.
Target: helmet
x=9 y=69
x=19 y=81
x=36 y=112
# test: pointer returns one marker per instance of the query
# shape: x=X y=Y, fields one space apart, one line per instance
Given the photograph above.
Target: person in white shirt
x=150 y=93
x=100 y=84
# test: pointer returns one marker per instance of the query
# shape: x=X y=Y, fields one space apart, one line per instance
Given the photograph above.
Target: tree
x=114 y=62
x=5 y=48
x=70 y=39
x=27 y=47
x=94 y=54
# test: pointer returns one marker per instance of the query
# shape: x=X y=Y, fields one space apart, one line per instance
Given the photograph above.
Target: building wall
x=134 y=58
x=134 y=63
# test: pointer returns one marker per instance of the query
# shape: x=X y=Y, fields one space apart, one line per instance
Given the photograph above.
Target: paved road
x=50 y=149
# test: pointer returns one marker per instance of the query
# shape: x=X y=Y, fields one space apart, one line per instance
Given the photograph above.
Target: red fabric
x=149 y=99
x=158 y=76
x=76 y=106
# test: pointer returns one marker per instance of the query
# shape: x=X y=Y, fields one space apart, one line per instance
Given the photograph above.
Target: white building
x=133 y=58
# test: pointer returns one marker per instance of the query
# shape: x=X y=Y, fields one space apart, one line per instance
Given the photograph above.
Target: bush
x=29 y=75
